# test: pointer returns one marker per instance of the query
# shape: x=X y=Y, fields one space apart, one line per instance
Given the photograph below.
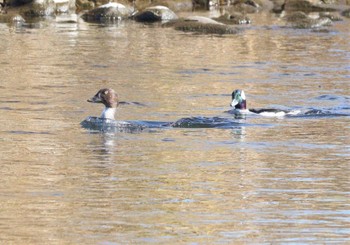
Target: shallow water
x=264 y=180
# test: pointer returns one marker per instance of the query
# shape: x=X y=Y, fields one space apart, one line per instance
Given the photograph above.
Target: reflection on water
x=273 y=180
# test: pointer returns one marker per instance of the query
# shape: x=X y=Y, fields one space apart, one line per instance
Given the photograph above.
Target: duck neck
x=108 y=113
x=242 y=105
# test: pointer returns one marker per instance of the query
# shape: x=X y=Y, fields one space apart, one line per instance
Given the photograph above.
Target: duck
x=109 y=98
x=106 y=122
x=239 y=102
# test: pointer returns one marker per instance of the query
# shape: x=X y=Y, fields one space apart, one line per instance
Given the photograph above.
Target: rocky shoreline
x=304 y=14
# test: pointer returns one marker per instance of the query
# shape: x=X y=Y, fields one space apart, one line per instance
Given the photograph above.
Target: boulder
x=18 y=2
x=199 y=24
x=302 y=20
x=246 y=6
x=156 y=13
x=332 y=17
x=109 y=12
x=202 y=20
x=233 y=19
x=307 y=6
x=346 y=13
x=175 y=5
x=40 y=8
x=84 y=5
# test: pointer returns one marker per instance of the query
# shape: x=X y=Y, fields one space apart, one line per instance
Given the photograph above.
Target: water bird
x=109 y=98
x=106 y=122
x=239 y=102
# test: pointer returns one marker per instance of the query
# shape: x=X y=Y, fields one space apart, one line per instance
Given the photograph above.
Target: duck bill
x=234 y=103
x=95 y=99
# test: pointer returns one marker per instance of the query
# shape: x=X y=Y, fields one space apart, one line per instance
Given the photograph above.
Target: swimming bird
x=106 y=122
x=239 y=102
x=109 y=98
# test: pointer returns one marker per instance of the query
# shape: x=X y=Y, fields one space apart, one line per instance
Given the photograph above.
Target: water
x=263 y=180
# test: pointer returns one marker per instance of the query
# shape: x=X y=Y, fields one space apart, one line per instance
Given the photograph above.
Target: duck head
x=109 y=98
x=239 y=100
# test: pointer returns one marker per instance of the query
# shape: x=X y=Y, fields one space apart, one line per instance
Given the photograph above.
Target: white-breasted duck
x=109 y=98
x=239 y=102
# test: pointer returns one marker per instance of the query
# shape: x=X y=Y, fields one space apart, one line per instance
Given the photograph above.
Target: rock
x=245 y=6
x=233 y=19
x=109 y=12
x=303 y=21
x=200 y=4
x=42 y=8
x=84 y=5
x=18 y=19
x=64 y=6
x=201 y=19
x=18 y=2
x=18 y=22
x=278 y=6
x=332 y=17
x=346 y=13
x=312 y=23
x=198 y=24
x=11 y=18
x=39 y=9
x=156 y=13
x=175 y=5
x=307 y=6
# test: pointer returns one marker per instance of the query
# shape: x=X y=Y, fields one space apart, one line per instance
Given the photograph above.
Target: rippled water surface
x=264 y=180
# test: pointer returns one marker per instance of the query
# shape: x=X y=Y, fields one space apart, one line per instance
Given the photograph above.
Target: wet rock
x=302 y=20
x=11 y=19
x=84 y=5
x=246 y=6
x=175 y=5
x=18 y=19
x=41 y=8
x=332 y=17
x=156 y=13
x=200 y=4
x=18 y=2
x=45 y=8
x=233 y=19
x=307 y=6
x=64 y=6
x=250 y=6
x=202 y=20
x=109 y=12
x=278 y=6
x=198 y=24
x=346 y=13
x=18 y=22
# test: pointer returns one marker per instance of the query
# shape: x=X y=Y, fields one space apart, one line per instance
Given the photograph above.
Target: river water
x=265 y=180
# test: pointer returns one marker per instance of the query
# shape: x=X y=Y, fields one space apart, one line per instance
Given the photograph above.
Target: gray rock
x=246 y=6
x=41 y=8
x=202 y=20
x=109 y=12
x=332 y=17
x=156 y=13
x=346 y=13
x=307 y=6
x=302 y=20
x=233 y=19
x=199 y=24
x=18 y=2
